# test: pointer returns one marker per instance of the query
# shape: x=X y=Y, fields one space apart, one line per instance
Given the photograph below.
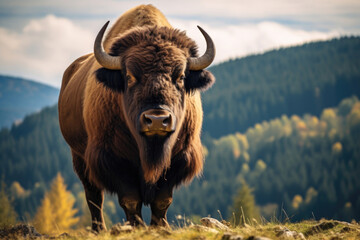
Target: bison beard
x=155 y=157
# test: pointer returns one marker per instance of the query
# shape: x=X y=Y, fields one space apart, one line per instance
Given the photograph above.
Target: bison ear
x=199 y=80
x=112 y=79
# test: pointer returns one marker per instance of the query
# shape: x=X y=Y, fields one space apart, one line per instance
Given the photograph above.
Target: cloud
x=244 y=39
x=43 y=49
x=319 y=13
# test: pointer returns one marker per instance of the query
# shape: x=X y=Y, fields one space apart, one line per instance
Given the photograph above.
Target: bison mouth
x=155 y=133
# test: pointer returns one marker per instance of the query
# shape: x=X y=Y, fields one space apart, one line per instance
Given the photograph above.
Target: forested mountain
x=297 y=80
x=31 y=154
x=308 y=166
x=19 y=97
x=302 y=163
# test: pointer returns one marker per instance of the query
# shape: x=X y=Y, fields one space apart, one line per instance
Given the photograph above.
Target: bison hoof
x=98 y=227
x=162 y=222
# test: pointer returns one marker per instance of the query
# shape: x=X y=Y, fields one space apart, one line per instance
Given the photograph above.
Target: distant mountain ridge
x=20 y=97
x=295 y=80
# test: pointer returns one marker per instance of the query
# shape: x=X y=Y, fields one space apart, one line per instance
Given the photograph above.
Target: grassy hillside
x=19 y=97
x=297 y=80
x=311 y=230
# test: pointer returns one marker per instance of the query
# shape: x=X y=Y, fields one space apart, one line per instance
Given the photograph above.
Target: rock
x=321 y=227
x=20 y=230
x=230 y=236
x=213 y=223
x=284 y=232
x=346 y=229
x=344 y=223
x=119 y=229
x=326 y=225
x=349 y=229
x=200 y=228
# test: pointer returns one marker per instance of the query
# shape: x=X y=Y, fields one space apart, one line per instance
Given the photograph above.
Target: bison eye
x=181 y=78
x=130 y=80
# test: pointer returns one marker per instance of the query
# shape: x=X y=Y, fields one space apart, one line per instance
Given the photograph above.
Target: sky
x=40 y=38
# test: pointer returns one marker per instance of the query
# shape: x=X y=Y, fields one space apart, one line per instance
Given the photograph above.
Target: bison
x=131 y=113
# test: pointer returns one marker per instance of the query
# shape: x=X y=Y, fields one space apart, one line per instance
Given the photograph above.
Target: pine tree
x=244 y=208
x=56 y=214
x=7 y=212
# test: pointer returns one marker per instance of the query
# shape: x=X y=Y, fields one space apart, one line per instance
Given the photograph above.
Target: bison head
x=155 y=69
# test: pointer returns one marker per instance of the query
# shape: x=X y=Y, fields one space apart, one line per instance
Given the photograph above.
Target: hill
x=31 y=154
x=20 y=97
x=296 y=80
x=307 y=166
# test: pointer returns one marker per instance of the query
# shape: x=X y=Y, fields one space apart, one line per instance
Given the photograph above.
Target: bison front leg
x=116 y=175
x=95 y=199
x=159 y=207
x=94 y=196
x=131 y=203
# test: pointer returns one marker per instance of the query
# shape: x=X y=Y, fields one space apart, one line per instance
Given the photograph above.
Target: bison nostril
x=167 y=121
x=147 y=119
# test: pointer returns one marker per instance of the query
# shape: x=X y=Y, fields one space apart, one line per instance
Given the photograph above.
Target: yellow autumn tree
x=7 y=212
x=44 y=220
x=56 y=213
x=18 y=191
x=297 y=201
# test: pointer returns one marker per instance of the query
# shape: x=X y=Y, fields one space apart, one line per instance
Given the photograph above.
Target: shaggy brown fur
x=143 y=15
x=99 y=111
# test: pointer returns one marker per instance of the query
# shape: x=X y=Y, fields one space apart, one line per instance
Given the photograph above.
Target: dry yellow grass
x=311 y=230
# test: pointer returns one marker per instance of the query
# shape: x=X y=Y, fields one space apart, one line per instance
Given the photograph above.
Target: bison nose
x=157 y=122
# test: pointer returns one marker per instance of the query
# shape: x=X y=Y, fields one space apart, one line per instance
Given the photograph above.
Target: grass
x=324 y=229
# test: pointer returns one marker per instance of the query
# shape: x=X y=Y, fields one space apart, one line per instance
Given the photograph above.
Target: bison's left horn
x=106 y=60
x=208 y=57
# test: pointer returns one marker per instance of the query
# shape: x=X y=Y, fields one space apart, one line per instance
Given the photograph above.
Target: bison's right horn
x=107 y=61
x=208 y=57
